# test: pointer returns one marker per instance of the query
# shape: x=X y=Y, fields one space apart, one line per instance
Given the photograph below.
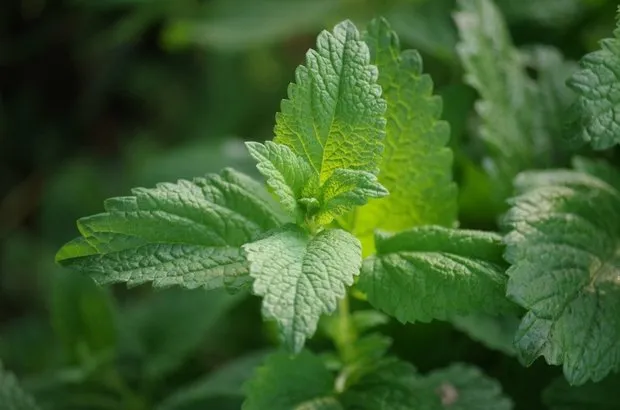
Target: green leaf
x=334 y=115
x=286 y=172
x=285 y=382
x=432 y=272
x=12 y=397
x=463 y=387
x=563 y=241
x=389 y=384
x=232 y=25
x=83 y=316
x=346 y=189
x=301 y=277
x=494 y=67
x=553 y=99
x=323 y=403
x=559 y=395
x=417 y=166
x=596 y=86
x=554 y=13
x=154 y=326
x=225 y=381
x=427 y=26
x=493 y=331
x=187 y=234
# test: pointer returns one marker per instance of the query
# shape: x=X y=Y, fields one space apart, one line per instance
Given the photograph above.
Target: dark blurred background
x=97 y=96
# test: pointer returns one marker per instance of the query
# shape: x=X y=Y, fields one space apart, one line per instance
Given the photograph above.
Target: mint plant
x=359 y=205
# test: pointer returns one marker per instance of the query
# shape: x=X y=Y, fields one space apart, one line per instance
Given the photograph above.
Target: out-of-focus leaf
x=495 y=332
x=550 y=13
x=605 y=395
x=427 y=27
x=12 y=396
x=167 y=326
x=239 y=24
x=225 y=381
x=83 y=316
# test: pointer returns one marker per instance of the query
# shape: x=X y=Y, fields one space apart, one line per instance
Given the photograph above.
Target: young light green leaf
x=495 y=69
x=596 y=85
x=187 y=234
x=432 y=272
x=559 y=395
x=346 y=189
x=463 y=387
x=417 y=166
x=286 y=172
x=322 y=403
x=563 y=241
x=301 y=277
x=494 y=331
x=389 y=384
x=12 y=396
x=285 y=382
x=334 y=115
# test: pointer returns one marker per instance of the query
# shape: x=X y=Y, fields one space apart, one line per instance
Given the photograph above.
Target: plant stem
x=347 y=334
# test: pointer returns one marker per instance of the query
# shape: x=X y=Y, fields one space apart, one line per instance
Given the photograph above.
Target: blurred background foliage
x=97 y=96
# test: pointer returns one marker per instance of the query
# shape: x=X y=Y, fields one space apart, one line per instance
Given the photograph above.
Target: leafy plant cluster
x=357 y=220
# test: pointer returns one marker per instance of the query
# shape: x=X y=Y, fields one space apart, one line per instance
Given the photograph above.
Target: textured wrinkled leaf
x=333 y=116
x=389 y=384
x=285 y=382
x=301 y=277
x=494 y=67
x=346 y=189
x=225 y=381
x=12 y=396
x=187 y=234
x=605 y=395
x=597 y=85
x=563 y=241
x=286 y=172
x=417 y=166
x=462 y=387
x=495 y=332
x=432 y=272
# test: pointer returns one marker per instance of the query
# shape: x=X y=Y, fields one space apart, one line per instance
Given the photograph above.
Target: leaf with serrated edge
x=187 y=234
x=463 y=387
x=301 y=277
x=416 y=167
x=432 y=272
x=596 y=84
x=563 y=241
x=346 y=189
x=333 y=116
x=494 y=67
x=286 y=172
x=12 y=396
x=284 y=382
